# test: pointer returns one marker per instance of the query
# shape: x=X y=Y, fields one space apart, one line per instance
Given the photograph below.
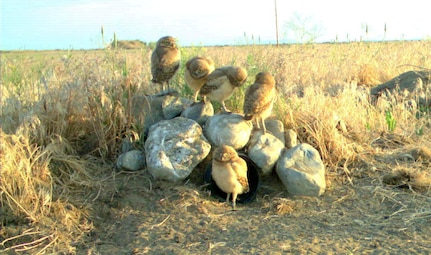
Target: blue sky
x=76 y=24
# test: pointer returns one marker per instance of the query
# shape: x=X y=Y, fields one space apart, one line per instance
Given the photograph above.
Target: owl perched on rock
x=196 y=73
x=259 y=99
x=229 y=172
x=165 y=61
x=222 y=82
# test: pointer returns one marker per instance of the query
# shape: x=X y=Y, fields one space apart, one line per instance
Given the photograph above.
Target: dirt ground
x=360 y=216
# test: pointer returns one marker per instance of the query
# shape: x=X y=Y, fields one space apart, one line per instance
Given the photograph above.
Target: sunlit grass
x=64 y=114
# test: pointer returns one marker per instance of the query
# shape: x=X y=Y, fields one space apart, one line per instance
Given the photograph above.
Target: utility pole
x=276 y=21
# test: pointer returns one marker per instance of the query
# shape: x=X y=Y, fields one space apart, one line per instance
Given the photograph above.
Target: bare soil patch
x=365 y=216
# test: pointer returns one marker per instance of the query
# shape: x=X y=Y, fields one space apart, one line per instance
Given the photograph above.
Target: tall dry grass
x=64 y=114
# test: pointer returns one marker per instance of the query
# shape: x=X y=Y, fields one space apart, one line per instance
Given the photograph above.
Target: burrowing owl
x=165 y=61
x=259 y=99
x=229 y=171
x=196 y=73
x=222 y=82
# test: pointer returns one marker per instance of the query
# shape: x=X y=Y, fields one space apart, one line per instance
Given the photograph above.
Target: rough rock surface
x=132 y=160
x=174 y=148
x=302 y=171
x=409 y=85
x=264 y=149
x=276 y=128
x=228 y=129
x=148 y=110
x=173 y=105
x=291 y=138
x=198 y=112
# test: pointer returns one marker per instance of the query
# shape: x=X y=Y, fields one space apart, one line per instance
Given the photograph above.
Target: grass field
x=64 y=114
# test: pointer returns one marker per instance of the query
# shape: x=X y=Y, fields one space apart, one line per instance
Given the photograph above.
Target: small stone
x=264 y=149
x=291 y=138
x=276 y=128
x=132 y=160
x=198 y=112
x=302 y=171
x=126 y=145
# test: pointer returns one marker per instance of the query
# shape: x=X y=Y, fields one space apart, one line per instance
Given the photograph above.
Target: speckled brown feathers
x=165 y=61
x=229 y=171
x=196 y=73
x=259 y=98
x=222 y=82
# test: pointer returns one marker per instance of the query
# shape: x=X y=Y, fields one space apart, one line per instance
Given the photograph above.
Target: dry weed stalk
x=413 y=179
x=320 y=131
x=62 y=121
x=284 y=206
x=49 y=163
x=36 y=188
x=29 y=246
x=26 y=180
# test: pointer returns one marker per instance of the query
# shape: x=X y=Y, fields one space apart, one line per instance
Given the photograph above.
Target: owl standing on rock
x=197 y=71
x=259 y=99
x=222 y=82
x=165 y=61
x=229 y=171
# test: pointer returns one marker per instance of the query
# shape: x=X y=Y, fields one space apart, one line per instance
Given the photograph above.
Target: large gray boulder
x=302 y=171
x=228 y=129
x=264 y=149
x=174 y=148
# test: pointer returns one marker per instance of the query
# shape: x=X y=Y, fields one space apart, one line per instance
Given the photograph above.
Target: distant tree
x=303 y=29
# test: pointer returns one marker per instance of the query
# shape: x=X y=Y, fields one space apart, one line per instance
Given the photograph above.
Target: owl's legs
x=257 y=123
x=166 y=88
x=225 y=110
x=195 y=96
x=263 y=125
x=168 y=85
x=204 y=99
x=234 y=195
x=162 y=86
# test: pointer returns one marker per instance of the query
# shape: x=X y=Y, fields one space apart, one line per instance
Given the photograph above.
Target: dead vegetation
x=64 y=115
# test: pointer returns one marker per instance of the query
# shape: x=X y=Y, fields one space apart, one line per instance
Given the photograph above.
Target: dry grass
x=64 y=114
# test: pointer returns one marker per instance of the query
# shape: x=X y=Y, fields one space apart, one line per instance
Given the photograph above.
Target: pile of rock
x=179 y=135
x=411 y=86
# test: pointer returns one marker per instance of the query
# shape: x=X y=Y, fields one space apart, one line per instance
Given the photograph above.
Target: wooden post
x=276 y=21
